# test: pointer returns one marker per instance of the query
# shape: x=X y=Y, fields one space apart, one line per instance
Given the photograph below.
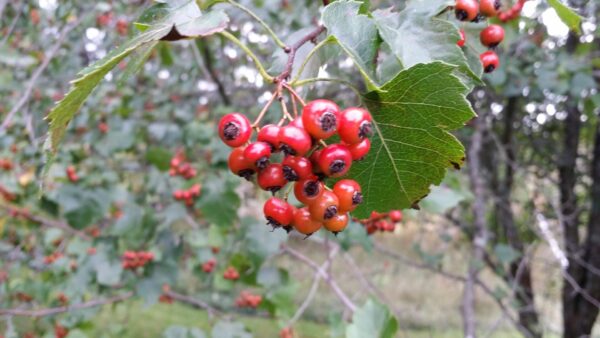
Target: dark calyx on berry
x=328 y=121
x=290 y=174
x=231 y=131
x=357 y=198
x=461 y=15
x=311 y=189
x=337 y=166
x=262 y=163
x=273 y=223
x=490 y=68
x=478 y=18
x=330 y=212
x=287 y=150
x=246 y=174
x=366 y=129
x=288 y=228
x=497 y=4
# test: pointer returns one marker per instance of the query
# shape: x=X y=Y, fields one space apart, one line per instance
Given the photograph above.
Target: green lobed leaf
x=372 y=320
x=355 y=33
x=567 y=15
x=415 y=35
x=219 y=202
x=412 y=146
x=186 y=20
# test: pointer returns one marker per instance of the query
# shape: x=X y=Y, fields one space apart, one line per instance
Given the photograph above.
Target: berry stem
x=276 y=39
x=294 y=106
x=259 y=66
x=294 y=93
x=264 y=111
x=284 y=109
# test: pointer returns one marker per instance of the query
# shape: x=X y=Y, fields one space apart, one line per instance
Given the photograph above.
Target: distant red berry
x=463 y=38
x=395 y=215
x=489 y=61
x=489 y=8
x=466 y=10
x=491 y=36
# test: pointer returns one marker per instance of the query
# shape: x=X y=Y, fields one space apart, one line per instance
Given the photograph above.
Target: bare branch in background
x=191 y=301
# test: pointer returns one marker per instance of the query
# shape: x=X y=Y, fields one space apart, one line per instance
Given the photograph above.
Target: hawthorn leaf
x=355 y=33
x=416 y=35
x=567 y=15
x=187 y=18
x=412 y=146
x=372 y=320
x=226 y=329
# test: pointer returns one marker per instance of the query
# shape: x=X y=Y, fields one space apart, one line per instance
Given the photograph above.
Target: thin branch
x=38 y=72
x=308 y=57
x=276 y=39
x=191 y=301
x=13 y=24
x=210 y=70
x=328 y=279
x=50 y=223
x=63 y=309
x=293 y=49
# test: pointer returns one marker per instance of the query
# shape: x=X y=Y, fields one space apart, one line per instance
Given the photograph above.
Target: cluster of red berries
x=188 y=195
x=231 y=273
x=52 y=257
x=103 y=127
x=72 y=174
x=249 y=300
x=209 y=265
x=6 y=164
x=62 y=299
x=383 y=222
x=491 y=36
x=134 y=259
x=60 y=331
x=179 y=166
x=307 y=161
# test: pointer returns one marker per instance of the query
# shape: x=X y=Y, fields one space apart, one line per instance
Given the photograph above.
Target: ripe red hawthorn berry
x=270 y=134
x=354 y=125
x=271 y=178
x=278 y=212
x=286 y=333
x=239 y=165
x=304 y=224
x=258 y=153
x=319 y=118
x=314 y=159
x=209 y=265
x=235 y=129
x=103 y=127
x=491 y=36
x=294 y=140
x=308 y=190
x=296 y=168
x=231 y=273
x=349 y=195
x=489 y=8
x=325 y=207
x=395 y=215
x=360 y=150
x=463 y=38
x=490 y=61
x=337 y=223
x=466 y=10
x=335 y=160
x=122 y=27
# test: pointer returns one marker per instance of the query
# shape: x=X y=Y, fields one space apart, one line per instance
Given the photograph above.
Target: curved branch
x=259 y=66
x=293 y=49
x=63 y=309
x=276 y=39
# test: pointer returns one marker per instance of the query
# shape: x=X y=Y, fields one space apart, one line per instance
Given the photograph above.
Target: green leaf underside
x=415 y=36
x=186 y=19
x=355 y=33
x=412 y=146
x=567 y=15
x=372 y=320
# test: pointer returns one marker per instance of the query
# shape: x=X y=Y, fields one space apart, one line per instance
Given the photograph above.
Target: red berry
x=314 y=159
x=337 y=223
x=271 y=178
x=294 y=140
x=335 y=160
x=239 y=165
x=490 y=61
x=296 y=168
x=235 y=129
x=308 y=190
x=489 y=8
x=278 y=212
x=178 y=194
x=319 y=118
x=463 y=38
x=303 y=223
x=325 y=207
x=395 y=215
x=297 y=122
x=466 y=10
x=349 y=195
x=270 y=134
x=258 y=153
x=354 y=125
x=360 y=150
x=491 y=36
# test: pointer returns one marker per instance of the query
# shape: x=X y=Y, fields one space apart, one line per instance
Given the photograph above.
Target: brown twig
x=63 y=309
x=192 y=301
x=293 y=49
